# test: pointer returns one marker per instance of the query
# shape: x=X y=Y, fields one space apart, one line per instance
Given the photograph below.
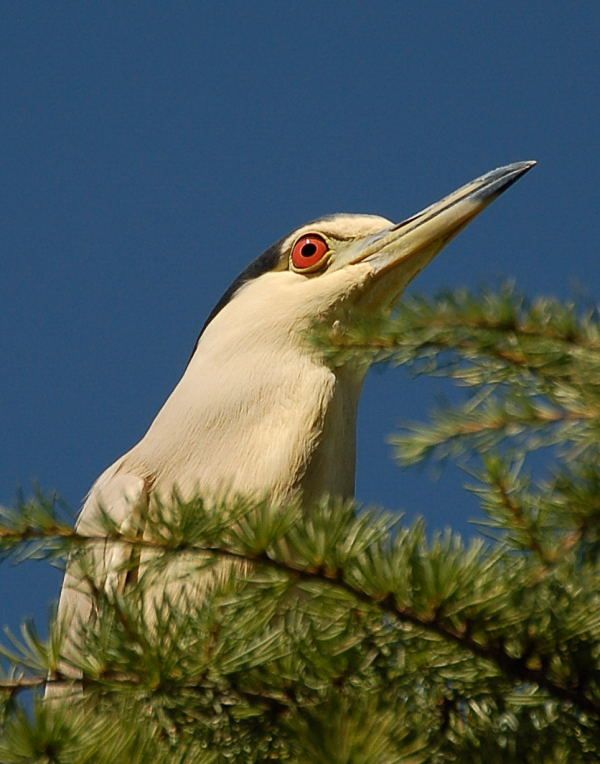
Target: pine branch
x=505 y=326
x=323 y=569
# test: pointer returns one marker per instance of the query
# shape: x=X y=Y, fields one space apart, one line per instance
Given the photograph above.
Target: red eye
x=309 y=252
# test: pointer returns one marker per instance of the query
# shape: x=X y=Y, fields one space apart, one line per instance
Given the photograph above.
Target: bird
x=258 y=412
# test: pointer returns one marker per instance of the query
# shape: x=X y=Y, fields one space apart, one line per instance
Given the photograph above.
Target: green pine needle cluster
x=342 y=634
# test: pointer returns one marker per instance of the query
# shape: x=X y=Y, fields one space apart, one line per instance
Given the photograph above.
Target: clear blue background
x=150 y=150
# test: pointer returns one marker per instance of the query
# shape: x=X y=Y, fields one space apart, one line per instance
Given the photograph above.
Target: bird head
x=345 y=261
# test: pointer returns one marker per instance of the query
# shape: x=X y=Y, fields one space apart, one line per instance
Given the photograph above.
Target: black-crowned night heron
x=257 y=412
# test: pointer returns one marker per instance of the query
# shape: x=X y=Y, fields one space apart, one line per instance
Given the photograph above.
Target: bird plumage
x=258 y=412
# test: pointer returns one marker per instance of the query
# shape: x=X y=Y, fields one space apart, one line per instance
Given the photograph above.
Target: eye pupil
x=309 y=253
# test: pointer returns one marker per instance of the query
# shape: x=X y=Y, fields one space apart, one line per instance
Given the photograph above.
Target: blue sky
x=150 y=150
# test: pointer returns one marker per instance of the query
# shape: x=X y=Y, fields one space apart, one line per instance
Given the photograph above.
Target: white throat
x=256 y=412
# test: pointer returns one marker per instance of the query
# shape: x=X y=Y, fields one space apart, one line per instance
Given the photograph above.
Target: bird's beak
x=402 y=250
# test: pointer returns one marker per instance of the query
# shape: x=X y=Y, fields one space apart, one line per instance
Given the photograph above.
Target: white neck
x=256 y=412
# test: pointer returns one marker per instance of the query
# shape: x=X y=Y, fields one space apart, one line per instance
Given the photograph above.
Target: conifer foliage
x=353 y=637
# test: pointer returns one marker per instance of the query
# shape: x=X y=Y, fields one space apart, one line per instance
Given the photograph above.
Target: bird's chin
x=391 y=274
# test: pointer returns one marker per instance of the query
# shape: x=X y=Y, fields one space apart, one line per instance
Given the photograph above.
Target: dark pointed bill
x=425 y=233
